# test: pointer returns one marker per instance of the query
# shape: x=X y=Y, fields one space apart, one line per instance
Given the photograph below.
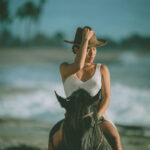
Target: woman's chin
x=91 y=59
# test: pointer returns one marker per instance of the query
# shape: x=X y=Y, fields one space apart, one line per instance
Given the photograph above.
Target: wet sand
x=33 y=135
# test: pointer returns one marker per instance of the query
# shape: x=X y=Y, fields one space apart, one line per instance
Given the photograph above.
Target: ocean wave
x=127 y=105
x=39 y=104
x=133 y=58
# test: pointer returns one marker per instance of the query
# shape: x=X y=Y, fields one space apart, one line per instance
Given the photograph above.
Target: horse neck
x=72 y=140
x=91 y=138
x=82 y=140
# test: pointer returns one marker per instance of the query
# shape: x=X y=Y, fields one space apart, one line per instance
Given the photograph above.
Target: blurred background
x=32 y=34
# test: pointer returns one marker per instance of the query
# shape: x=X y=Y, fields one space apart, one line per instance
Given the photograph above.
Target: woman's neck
x=87 y=64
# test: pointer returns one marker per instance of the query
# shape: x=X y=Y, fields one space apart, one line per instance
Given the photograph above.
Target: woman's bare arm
x=68 y=69
x=105 y=90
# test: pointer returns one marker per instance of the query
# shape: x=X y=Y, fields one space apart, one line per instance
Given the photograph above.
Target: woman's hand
x=87 y=34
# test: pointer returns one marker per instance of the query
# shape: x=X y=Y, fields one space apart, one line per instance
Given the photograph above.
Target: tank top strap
x=97 y=75
x=98 y=69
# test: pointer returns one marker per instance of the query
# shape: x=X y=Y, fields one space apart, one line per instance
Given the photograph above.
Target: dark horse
x=81 y=129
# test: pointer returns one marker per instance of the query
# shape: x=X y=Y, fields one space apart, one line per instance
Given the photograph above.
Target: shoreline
x=15 y=56
x=33 y=135
x=46 y=55
x=35 y=55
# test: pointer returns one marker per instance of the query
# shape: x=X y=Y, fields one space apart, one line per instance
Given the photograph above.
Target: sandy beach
x=17 y=134
x=44 y=55
x=54 y=54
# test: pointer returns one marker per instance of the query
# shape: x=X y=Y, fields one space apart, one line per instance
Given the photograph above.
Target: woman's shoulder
x=103 y=68
x=63 y=64
x=64 y=67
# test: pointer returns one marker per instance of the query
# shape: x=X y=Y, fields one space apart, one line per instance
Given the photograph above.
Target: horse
x=81 y=129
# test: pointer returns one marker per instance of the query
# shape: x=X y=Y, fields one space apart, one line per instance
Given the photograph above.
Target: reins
x=87 y=115
x=101 y=139
x=102 y=136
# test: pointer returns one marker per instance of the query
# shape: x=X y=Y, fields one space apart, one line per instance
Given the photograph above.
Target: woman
x=83 y=73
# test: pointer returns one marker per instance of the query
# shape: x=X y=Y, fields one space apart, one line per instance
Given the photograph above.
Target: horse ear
x=61 y=100
x=96 y=97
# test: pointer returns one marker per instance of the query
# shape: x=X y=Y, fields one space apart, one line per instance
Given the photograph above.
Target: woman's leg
x=111 y=134
x=55 y=136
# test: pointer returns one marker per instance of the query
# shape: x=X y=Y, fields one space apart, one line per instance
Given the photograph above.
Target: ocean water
x=27 y=91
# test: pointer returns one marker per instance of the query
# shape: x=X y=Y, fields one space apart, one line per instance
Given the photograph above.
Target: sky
x=114 y=18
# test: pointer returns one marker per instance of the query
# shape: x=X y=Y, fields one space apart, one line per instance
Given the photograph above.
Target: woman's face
x=90 y=55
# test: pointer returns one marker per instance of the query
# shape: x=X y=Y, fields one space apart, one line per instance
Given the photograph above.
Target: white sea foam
x=131 y=57
x=127 y=105
x=128 y=57
x=40 y=104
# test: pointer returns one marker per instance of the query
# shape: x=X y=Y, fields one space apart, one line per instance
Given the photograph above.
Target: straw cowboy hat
x=93 y=42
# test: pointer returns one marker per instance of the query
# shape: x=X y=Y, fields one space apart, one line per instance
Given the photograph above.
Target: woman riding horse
x=92 y=77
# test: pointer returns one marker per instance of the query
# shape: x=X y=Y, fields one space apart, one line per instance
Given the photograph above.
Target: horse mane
x=80 y=136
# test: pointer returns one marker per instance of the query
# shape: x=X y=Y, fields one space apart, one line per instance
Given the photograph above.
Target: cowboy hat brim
x=99 y=42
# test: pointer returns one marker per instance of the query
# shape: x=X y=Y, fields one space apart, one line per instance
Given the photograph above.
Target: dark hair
x=74 y=47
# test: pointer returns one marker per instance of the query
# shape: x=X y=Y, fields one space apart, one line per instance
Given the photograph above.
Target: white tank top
x=93 y=85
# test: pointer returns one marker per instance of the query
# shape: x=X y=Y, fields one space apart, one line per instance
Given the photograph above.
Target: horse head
x=81 y=108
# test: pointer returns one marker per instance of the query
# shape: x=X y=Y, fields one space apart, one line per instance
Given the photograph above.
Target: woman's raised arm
x=68 y=69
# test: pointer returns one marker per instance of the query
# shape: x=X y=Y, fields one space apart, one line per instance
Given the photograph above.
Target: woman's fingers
x=87 y=33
